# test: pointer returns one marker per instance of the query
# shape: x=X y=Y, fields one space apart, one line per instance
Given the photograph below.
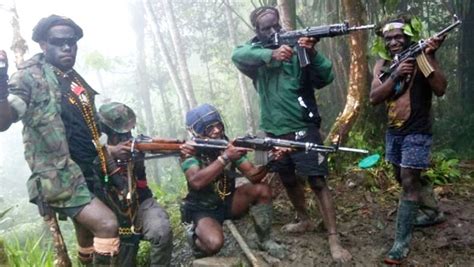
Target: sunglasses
x=60 y=42
x=211 y=127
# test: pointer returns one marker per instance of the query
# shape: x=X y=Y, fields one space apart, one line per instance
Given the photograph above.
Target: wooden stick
x=253 y=260
x=62 y=258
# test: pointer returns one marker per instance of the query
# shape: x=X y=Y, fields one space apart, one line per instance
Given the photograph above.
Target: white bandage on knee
x=107 y=246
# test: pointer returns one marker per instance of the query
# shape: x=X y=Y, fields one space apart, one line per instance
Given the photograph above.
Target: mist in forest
x=164 y=57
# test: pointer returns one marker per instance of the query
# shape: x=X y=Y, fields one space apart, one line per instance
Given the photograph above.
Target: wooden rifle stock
x=155 y=145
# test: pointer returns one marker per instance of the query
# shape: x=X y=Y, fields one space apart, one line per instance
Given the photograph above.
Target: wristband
x=222 y=160
x=225 y=157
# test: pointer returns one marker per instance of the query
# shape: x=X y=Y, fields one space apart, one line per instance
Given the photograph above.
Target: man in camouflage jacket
x=57 y=109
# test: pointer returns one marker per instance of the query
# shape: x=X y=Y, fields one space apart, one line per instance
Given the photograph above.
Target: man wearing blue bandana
x=212 y=193
x=408 y=93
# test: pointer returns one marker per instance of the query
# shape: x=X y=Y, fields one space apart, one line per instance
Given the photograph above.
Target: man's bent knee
x=317 y=183
x=263 y=192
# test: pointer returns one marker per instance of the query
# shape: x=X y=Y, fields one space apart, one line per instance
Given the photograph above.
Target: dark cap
x=199 y=118
x=41 y=29
x=117 y=116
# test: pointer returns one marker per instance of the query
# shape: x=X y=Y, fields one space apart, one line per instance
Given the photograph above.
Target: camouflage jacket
x=36 y=97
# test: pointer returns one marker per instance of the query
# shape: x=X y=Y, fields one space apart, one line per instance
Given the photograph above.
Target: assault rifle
x=415 y=49
x=291 y=37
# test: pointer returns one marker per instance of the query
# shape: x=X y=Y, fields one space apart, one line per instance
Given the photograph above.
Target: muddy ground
x=366 y=220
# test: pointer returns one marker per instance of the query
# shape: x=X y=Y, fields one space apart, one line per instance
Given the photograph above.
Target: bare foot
x=299 y=227
x=338 y=253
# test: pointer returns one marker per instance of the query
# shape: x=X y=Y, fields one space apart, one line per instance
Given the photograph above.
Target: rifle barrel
x=355 y=150
x=363 y=27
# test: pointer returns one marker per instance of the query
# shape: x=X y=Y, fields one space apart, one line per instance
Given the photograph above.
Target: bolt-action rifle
x=171 y=147
x=416 y=49
x=291 y=37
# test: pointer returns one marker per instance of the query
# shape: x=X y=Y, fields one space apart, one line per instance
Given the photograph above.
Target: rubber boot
x=102 y=260
x=407 y=211
x=429 y=213
x=85 y=259
x=262 y=215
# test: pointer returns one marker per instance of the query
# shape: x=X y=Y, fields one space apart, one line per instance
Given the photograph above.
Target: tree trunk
x=358 y=73
x=287 y=10
x=466 y=58
x=184 y=105
x=138 y=23
x=180 y=55
x=19 y=46
x=250 y=122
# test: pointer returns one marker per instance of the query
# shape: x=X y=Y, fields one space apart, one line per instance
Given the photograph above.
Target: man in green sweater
x=288 y=110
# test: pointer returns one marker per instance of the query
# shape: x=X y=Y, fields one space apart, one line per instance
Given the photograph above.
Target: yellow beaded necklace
x=79 y=97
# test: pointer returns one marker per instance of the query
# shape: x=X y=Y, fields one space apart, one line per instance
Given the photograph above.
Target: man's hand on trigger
x=283 y=53
x=308 y=42
x=433 y=44
x=187 y=149
x=235 y=153
x=120 y=151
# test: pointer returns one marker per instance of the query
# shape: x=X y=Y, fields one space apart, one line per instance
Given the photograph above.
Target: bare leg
x=295 y=192
x=210 y=236
x=326 y=208
x=98 y=219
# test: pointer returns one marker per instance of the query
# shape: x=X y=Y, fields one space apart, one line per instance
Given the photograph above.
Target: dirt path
x=366 y=224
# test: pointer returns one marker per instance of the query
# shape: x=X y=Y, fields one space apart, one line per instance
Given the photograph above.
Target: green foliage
x=414 y=29
x=444 y=169
x=32 y=252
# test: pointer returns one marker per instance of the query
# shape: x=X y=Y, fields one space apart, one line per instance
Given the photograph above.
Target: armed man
x=140 y=216
x=407 y=91
x=288 y=110
x=61 y=135
x=212 y=194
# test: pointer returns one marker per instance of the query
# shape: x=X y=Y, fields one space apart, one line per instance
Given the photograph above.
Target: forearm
x=199 y=179
x=6 y=116
x=257 y=174
x=437 y=79
x=381 y=91
x=250 y=58
x=320 y=70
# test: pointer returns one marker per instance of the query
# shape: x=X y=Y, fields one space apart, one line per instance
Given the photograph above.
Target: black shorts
x=192 y=213
x=70 y=212
x=311 y=163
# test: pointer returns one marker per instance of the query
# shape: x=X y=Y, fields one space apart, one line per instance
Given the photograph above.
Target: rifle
x=415 y=49
x=291 y=37
x=49 y=217
x=172 y=146
x=268 y=143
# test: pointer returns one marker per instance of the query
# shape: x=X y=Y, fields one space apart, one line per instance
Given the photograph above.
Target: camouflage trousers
x=155 y=227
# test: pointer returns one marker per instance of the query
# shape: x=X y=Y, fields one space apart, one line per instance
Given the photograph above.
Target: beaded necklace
x=222 y=183
x=79 y=97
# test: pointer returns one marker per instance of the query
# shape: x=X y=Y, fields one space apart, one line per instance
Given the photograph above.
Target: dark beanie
x=41 y=29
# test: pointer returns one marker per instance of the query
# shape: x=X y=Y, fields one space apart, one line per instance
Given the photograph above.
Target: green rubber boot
x=101 y=260
x=407 y=211
x=262 y=215
x=429 y=213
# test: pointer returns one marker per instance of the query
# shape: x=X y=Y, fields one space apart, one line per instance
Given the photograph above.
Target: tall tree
x=138 y=24
x=250 y=122
x=180 y=54
x=358 y=73
x=165 y=55
x=287 y=10
x=466 y=59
